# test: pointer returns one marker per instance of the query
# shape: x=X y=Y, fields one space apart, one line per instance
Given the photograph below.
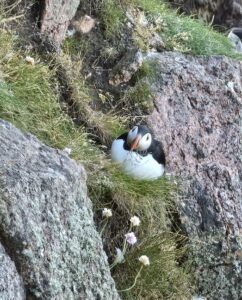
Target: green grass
x=29 y=99
x=184 y=33
x=139 y=98
x=76 y=46
x=180 y=33
x=150 y=200
x=157 y=280
x=112 y=18
x=153 y=203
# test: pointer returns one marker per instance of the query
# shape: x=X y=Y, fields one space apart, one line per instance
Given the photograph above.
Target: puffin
x=139 y=154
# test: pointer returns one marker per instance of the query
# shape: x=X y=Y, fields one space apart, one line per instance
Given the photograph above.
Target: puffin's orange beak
x=135 y=143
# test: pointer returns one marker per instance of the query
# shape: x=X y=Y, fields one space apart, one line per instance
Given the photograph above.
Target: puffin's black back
x=237 y=31
x=157 y=152
x=124 y=137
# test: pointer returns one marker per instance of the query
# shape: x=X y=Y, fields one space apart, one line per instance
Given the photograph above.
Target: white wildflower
x=135 y=221
x=107 y=213
x=131 y=238
x=144 y=260
x=119 y=256
x=30 y=60
x=67 y=150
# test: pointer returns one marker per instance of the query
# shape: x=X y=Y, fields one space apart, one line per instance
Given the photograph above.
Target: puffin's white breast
x=135 y=165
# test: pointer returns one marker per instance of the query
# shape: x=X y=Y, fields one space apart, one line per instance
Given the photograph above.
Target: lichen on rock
x=198 y=120
x=47 y=221
x=11 y=284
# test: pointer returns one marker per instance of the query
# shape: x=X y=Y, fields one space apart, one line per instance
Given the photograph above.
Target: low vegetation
x=180 y=33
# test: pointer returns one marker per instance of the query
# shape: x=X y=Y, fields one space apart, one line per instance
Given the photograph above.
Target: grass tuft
x=112 y=18
x=29 y=100
x=157 y=280
x=184 y=33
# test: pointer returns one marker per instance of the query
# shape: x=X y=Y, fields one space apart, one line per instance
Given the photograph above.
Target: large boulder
x=197 y=117
x=47 y=222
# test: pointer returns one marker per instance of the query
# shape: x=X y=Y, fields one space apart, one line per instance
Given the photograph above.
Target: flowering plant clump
x=107 y=213
x=130 y=238
x=144 y=260
x=135 y=221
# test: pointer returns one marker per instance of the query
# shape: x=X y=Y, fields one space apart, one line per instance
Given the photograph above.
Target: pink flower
x=131 y=238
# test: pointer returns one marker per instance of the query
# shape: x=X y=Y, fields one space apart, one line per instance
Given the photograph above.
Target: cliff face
x=197 y=117
x=47 y=224
x=116 y=74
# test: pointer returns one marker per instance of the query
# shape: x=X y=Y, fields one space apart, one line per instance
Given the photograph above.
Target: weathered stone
x=56 y=18
x=83 y=24
x=197 y=117
x=222 y=12
x=11 y=284
x=126 y=67
x=47 y=223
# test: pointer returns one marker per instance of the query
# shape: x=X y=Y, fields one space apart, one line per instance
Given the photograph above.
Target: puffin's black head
x=139 y=138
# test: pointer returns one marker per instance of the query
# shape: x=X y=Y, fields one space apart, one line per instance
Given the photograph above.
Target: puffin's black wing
x=124 y=137
x=237 y=31
x=157 y=152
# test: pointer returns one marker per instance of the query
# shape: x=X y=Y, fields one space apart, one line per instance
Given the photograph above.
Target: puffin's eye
x=133 y=129
x=148 y=137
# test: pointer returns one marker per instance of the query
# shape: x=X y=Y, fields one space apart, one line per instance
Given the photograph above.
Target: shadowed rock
x=197 y=118
x=11 y=284
x=47 y=223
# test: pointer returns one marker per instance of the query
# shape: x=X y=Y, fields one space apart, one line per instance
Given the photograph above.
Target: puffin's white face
x=132 y=135
x=144 y=142
x=138 y=141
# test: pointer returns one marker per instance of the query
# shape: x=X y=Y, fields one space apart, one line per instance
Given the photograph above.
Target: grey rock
x=155 y=42
x=197 y=117
x=126 y=67
x=47 y=222
x=11 y=284
x=56 y=18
